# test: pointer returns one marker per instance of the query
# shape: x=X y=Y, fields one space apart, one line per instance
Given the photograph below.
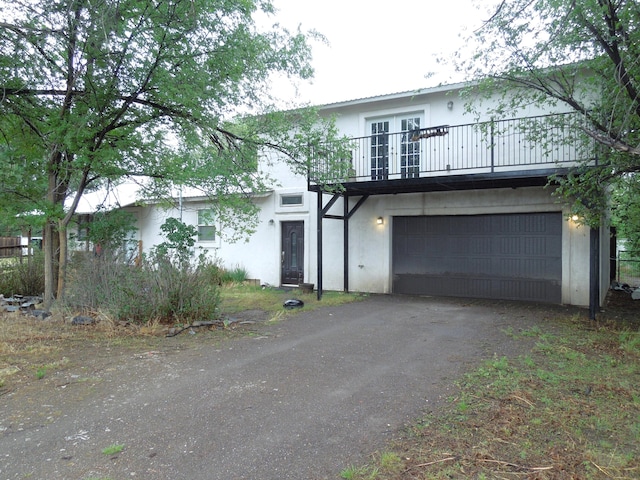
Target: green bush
x=169 y=285
x=183 y=291
x=24 y=277
x=237 y=275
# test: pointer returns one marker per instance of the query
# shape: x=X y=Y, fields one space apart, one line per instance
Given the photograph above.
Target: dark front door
x=292 y=270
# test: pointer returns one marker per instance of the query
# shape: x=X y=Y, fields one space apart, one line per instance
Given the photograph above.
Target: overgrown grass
x=113 y=449
x=22 y=276
x=236 y=275
x=164 y=288
x=568 y=409
x=29 y=345
x=241 y=297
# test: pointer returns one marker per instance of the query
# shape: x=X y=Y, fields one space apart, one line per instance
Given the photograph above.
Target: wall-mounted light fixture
x=271 y=222
x=450 y=105
x=575 y=217
x=379 y=220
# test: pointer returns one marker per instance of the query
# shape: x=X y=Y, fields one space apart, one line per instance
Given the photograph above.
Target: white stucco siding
x=370 y=248
x=440 y=106
x=370 y=243
x=255 y=253
x=605 y=261
x=279 y=174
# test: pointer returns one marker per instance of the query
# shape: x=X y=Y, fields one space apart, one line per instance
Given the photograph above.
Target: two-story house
x=439 y=202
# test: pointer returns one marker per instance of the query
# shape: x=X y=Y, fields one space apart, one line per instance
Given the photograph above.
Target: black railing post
x=493 y=147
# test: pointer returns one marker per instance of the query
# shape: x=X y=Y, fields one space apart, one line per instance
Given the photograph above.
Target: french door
x=395 y=148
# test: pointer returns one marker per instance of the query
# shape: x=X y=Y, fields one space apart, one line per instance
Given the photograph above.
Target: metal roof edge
x=394 y=96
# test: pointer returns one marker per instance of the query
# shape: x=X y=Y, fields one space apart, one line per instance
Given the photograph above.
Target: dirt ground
x=98 y=347
x=69 y=373
x=621 y=307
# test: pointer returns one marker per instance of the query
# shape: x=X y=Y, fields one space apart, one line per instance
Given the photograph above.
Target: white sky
x=379 y=47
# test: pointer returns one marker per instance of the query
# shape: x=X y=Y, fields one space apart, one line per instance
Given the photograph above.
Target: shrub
x=168 y=285
x=25 y=277
x=183 y=291
x=237 y=275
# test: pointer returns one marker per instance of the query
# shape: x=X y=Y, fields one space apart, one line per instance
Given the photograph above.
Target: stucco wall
x=370 y=243
x=370 y=249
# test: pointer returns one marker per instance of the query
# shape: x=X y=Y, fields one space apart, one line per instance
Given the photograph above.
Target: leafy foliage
x=24 y=277
x=168 y=285
x=626 y=212
x=110 y=229
x=97 y=92
x=579 y=56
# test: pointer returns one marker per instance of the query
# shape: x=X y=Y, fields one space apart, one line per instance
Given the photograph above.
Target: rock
x=621 y=287
x=293 y=303
x=30 y=305
x=636 y=294
x=41 y=314
x=82 y=320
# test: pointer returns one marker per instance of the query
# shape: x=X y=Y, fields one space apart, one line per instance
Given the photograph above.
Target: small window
x=288 y=200
x=84 y=223
x=206 y=229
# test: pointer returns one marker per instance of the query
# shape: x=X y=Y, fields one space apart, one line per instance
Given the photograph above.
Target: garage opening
x=506 y=256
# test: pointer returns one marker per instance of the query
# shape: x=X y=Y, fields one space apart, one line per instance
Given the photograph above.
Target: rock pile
x=25 y=304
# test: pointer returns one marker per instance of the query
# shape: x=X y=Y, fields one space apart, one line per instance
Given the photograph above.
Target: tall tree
x=96 y=91
x=582 y=54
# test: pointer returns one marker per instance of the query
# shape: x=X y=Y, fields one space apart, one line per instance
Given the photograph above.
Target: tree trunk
x=49 y=276
x=51 y=239
x=62 y=259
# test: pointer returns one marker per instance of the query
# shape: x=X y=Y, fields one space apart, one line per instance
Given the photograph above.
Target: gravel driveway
x=301 y=399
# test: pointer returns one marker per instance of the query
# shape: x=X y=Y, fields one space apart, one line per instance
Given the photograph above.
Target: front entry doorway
x=292 y=255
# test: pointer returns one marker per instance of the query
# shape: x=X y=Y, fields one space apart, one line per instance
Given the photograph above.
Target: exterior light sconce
x=380 y=220
x=450 y=105
x=271 y=222
x=575 y=218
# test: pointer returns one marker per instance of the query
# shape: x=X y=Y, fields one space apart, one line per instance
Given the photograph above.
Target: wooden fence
x=10 y=247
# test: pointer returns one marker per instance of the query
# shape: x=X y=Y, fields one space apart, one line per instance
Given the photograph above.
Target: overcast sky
x=377 y=47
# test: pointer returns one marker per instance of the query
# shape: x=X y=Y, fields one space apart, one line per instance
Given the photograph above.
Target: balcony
x=502 y=153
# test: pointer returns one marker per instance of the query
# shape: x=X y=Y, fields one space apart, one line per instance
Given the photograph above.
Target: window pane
x=205 y=216
x=206 y=233
x=291 y=200
x=294 y=250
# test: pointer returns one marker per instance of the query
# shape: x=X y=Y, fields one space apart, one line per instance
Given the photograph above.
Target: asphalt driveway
x=301 y=399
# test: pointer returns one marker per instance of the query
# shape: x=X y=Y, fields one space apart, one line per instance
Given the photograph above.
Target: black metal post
x=319 y=259
x=594 y=273
x=345 y=226
x=493 y=146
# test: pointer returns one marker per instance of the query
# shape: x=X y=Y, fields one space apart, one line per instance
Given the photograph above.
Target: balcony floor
x=441 y=183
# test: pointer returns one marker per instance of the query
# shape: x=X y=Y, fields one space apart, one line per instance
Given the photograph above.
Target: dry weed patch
x=568 y=410
x=27 y=343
